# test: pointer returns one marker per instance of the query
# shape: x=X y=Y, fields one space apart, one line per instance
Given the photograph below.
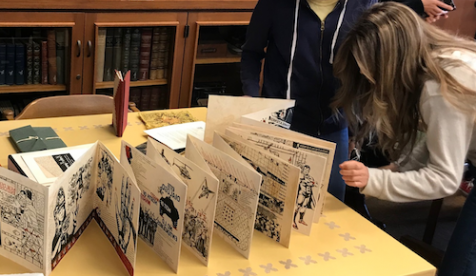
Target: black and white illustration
x=124 y=218
x=305 y=199
x=105 y=171
x=312 y=166
x=148 y=224
x=67 y=208
x=278 y=188
x=201 y=200
x=237 y=196
x=280 y=117
x=22 y=220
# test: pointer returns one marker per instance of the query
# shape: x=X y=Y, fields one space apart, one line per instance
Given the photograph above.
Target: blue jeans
x=336 y=183
x=460 y=256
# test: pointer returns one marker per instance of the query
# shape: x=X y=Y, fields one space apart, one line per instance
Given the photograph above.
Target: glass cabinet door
x=214 y=66
x=149 y=46
x=39 y=57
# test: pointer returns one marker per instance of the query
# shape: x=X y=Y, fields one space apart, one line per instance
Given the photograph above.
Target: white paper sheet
x=175 y=136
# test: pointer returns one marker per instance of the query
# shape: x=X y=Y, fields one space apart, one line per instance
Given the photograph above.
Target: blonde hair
x=383 y=65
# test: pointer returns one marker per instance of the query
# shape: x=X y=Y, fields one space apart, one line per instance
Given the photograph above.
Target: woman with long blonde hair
x=402 y=78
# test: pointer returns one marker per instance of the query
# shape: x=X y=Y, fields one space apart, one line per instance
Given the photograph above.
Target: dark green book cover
x=26 y=139
x=50 y=138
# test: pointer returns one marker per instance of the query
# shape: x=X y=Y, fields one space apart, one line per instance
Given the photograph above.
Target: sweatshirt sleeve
x=415 y=5
x=253 y=50
x=449 y=135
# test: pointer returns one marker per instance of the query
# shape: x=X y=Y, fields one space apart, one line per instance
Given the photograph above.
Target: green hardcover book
x=26 y=139
x=49 y=138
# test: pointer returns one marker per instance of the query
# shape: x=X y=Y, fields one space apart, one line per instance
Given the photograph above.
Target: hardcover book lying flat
x=40 y=223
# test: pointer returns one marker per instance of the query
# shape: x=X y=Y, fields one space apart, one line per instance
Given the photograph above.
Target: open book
x=40 y=224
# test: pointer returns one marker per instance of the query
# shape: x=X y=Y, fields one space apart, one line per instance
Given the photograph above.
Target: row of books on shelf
x=150 y=98
x=35 y=60
x=143 y=51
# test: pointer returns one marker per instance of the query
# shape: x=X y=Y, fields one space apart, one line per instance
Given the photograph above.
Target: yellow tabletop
x=342 y=243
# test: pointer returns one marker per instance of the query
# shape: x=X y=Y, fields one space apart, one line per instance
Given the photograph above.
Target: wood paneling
x=128 y=5
x=462 y=21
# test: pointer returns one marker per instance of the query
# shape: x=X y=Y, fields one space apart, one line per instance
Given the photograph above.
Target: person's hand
x=434 y=8
x=355 y=174
x=432 y=19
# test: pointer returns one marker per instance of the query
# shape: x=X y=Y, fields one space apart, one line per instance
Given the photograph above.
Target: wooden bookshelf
x=4 y=89
x=218 y=60
x=110 y=84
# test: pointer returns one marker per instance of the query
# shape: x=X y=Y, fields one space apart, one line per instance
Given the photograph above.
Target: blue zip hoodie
x=310 y=46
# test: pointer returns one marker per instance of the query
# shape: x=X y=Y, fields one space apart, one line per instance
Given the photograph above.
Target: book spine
x=100 y=55
x=154 y=58
x=10 y=78
x=37 y=63
x=117 y=46
x=126 y=50
x=44 y=62
x=67 y=56
x=135 y=95
x=135 y=54
x=145 y=98
x=154 y=98
x=29 y=62
x=145 y=45
x=109 y=55
x=19 y=64
x=162 y=53
x=60 y=54
x=52 y=69
x=3 y=62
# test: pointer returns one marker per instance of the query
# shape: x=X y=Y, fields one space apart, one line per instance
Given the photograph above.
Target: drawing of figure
x=61 y=224
x=105 y=173
x=79 y=183
x=305 y=199
x=31 y=247
x=125 y=227
x=205 y=191
x=25 y=211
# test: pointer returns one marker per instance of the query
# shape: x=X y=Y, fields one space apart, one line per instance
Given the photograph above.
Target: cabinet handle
x=79 y=48
x=90 y=48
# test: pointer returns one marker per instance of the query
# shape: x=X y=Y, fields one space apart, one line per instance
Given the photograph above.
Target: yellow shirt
x=322 y=7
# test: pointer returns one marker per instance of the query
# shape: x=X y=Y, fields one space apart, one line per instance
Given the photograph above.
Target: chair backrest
x=70 y=105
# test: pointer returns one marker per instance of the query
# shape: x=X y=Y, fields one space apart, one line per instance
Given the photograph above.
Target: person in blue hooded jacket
x=301 y=38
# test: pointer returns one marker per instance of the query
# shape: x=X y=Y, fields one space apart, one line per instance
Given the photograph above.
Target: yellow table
x=342 y=243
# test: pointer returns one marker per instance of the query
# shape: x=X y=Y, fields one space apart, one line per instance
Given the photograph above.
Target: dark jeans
x=460 y=256
x=336 y=183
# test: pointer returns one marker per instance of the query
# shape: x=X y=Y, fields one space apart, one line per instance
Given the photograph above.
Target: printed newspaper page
x=201 y=200
x=237 y=195
x=162 y=204
x=278 y=188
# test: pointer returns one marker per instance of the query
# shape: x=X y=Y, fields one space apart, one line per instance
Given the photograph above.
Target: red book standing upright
x=121 y=102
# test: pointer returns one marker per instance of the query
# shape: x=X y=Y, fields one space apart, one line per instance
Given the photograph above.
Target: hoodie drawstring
x=336 y=33
x=293 y=49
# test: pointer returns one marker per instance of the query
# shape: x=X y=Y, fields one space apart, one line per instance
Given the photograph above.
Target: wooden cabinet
x=26 y=29
x=172 y=23
x=213 y=73
x=178 y=72
x=461 y=21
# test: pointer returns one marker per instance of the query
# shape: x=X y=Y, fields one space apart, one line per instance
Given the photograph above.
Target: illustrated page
x=70 y=206
x=162 y=204
x=280 y=117
x=223 y=110
x=301 y=142
x=312 y=168
x=237 y=195
x=23 y=206
x=47 y=166
x=274 y=217
x=201 y=199
x=118 y=204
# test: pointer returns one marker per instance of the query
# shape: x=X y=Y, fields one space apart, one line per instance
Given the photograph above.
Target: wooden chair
x=70 y=105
